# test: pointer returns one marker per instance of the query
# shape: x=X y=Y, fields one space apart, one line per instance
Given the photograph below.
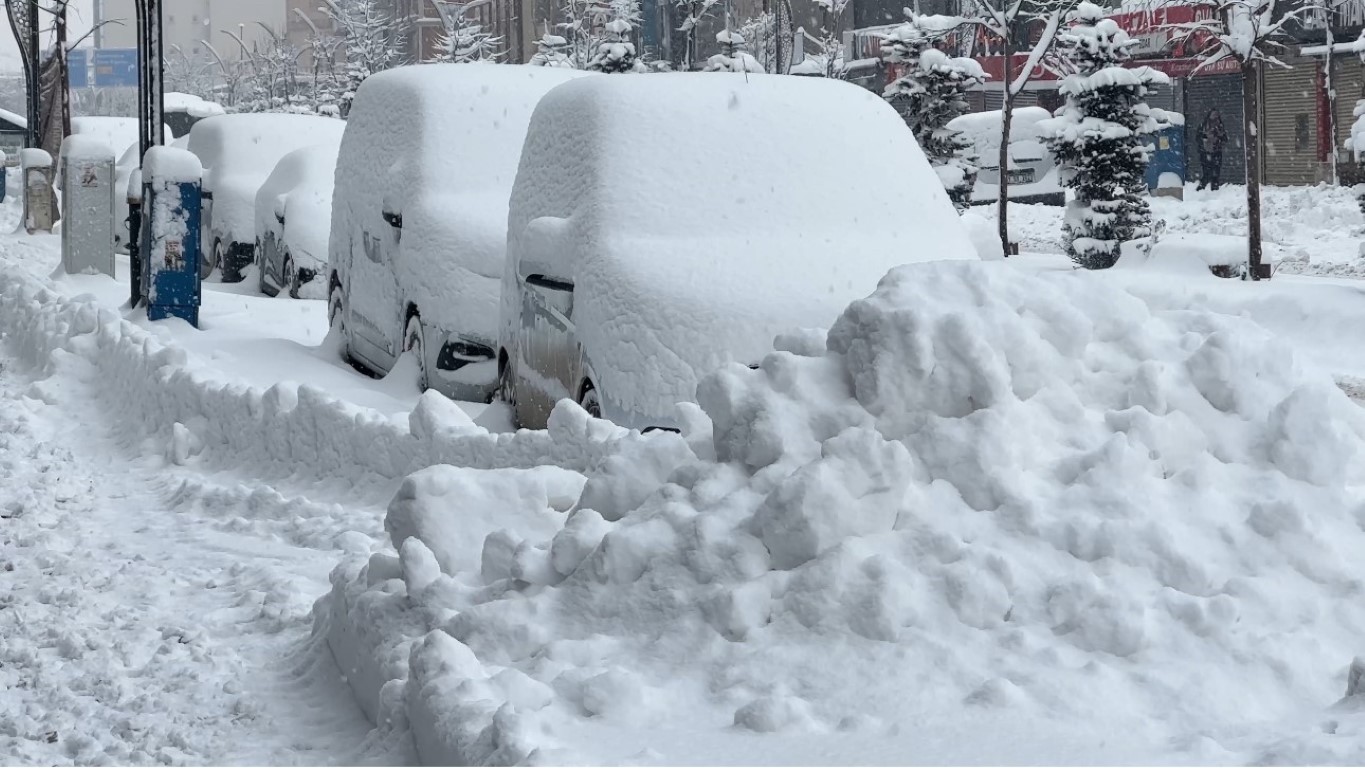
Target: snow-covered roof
x=168 y=164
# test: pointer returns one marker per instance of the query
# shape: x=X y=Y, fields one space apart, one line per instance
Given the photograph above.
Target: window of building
x=1303 y=135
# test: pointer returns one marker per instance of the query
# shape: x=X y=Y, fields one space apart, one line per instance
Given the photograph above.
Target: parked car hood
x=451 y=261
x=655 y=315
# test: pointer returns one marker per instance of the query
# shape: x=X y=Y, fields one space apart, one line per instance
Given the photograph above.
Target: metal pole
x=34 y=80
x=98 y=12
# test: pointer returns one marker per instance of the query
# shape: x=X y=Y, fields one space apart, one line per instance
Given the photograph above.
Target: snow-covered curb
x=285 y=430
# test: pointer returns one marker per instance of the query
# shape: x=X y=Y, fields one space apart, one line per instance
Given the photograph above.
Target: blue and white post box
x=170 y=248
x=1166 y=167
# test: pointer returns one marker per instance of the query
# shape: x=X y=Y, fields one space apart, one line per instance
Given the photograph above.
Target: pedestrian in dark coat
x=1212 y=136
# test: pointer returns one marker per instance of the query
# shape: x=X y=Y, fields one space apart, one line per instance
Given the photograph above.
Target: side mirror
x=393 y=218
x=279 y=208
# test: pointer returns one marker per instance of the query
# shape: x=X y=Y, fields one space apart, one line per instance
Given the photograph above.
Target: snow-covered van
x=1033 y=174
x=238 y=153
x=663 y=227
x=419 y=216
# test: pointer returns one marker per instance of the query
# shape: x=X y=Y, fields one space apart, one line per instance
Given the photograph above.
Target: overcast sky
x=78 y=21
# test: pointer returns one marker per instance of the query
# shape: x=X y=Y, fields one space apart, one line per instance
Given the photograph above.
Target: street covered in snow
x=1003 y=512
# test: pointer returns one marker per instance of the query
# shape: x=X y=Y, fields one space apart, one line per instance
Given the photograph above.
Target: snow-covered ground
x=1014 y=515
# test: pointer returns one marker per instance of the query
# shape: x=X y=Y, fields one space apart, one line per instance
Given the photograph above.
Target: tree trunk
x=1252 y=144
x=1006 y=117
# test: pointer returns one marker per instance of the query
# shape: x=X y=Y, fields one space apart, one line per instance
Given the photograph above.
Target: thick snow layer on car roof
x=300 y=189
x=240 y=151
x=983 y=128
x=191 y=104
x=118 y=132
x=744 y=227
x=439 y=143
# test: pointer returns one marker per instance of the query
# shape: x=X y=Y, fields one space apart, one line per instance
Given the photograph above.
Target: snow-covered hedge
x=992 y=492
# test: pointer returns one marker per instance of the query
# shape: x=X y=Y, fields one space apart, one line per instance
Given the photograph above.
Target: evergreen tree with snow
x=463 y=40
x=931 y=91
x=1100 y=138
x=616 y=54
x=732 y=56
x=552 y=51
x=372 y=37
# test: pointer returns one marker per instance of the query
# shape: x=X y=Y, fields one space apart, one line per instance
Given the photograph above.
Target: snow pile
x=1192 y=252
x=997 y=499
x=172 y=166
x=288 y=429
x=118 y=133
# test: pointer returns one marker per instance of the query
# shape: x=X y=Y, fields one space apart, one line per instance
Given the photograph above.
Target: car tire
x=289 y=278
x=507 y=384
x=591 y=401
x=415 y=342
x=211 y=260
x=336 y=319
x=260 y=270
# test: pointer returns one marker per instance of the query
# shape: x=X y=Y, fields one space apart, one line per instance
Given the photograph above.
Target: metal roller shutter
x=1289 y=114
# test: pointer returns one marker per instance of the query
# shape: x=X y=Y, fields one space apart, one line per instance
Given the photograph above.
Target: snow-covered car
x=419 y=216
x=632 y=272
x=238 y=152
x=293 y=220
x=183 y=110
x=1033 y=174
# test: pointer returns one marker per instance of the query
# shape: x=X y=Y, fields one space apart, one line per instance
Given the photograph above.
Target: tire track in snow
x=136 y=629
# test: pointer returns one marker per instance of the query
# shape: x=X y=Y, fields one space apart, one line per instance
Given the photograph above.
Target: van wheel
x=507 y=384
x=336 y=320
x=414 y=342
x=590 y=401
x=210 y=261
x=260 y=270
x=289 y=278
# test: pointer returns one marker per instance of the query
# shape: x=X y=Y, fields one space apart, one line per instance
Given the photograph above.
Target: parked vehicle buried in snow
x=1033 y=172
x=419 y=217
x=238 y=152
x=632 y=272
x=293 y=218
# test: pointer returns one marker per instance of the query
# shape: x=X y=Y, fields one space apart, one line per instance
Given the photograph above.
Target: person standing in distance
x=1212 y=136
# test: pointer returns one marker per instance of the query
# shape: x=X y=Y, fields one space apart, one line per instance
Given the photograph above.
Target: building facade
x=188 y=24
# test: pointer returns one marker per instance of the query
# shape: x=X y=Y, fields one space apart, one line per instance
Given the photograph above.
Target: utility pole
x=98 y=13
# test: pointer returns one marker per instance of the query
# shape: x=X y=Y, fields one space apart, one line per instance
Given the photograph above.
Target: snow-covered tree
x=828 y=59
x=693 y=12
x=1100 y=138
x=760 y=37
x=616 y=53
x=463 y=40
x=732 y=56
x=1249 y=31
x=1006 y=22
x=552 y=51
x=931 y=92
x=372 y=37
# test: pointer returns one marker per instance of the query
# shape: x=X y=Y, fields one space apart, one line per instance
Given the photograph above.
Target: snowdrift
x=286 y=430
x=999 y=515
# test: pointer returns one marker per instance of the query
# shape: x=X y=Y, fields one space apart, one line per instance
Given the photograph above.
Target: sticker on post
x=175 y=258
